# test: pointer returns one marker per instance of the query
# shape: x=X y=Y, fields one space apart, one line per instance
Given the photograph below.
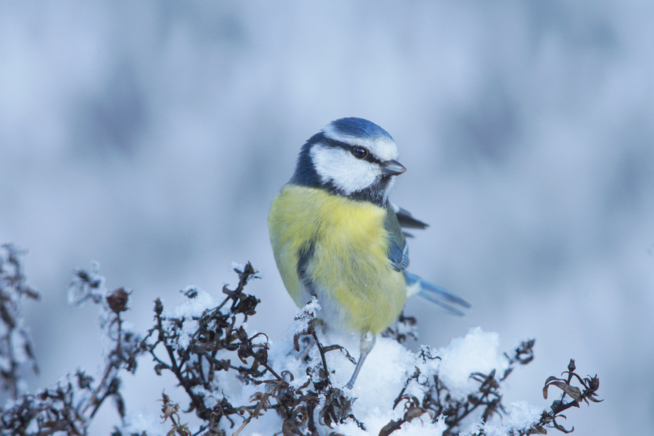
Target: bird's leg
x=305 y=352
x=366 y=344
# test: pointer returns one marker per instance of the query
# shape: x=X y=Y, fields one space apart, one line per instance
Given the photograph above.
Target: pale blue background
x=152 y=136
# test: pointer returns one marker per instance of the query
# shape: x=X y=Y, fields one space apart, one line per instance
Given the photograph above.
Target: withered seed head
x=571 y=365
x=158 y=306
x=117 y=300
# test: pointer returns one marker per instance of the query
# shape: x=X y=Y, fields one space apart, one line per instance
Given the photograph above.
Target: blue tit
x=335 y=234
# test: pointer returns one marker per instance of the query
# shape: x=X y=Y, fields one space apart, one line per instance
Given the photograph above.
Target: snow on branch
x=240 y=382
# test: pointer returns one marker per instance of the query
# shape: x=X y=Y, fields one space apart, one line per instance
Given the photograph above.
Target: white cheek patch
x=340 y=167
x=382 y=147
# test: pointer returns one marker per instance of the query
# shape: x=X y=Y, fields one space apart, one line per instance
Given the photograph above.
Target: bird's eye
x=359 y=152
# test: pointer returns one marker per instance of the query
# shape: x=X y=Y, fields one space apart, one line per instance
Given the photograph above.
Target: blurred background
x=152 y=136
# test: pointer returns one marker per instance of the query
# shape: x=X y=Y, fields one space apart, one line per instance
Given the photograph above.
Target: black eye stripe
x=369 y=156
x=338 y=144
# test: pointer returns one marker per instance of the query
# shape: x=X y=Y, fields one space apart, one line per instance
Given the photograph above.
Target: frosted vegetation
x=240 y=382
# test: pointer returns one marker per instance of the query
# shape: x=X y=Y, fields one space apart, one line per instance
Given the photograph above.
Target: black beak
x=392 y=168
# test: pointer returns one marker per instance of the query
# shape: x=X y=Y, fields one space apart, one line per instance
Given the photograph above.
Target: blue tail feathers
x=435 y=294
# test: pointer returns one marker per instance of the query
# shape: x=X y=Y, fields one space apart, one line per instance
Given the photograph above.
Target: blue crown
x=360 y=128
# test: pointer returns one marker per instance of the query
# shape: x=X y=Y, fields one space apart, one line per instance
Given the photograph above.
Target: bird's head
x=351 y=157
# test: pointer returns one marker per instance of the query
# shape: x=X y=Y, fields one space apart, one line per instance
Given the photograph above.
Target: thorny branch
x=590 y=386
x=404 y=328
x=437 y=400
x=548 y=419
x=195 y=348
x=219 y=333
x=15 y=343
x=194 y=365
x=72 y=403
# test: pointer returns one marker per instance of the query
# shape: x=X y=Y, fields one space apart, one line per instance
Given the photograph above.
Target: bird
x=336 y=236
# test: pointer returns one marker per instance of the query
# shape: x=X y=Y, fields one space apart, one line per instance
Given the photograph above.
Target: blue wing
x=398 y=255
x=398 y=250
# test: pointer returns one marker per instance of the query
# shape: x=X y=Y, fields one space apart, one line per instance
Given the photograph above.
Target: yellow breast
x=349 y=268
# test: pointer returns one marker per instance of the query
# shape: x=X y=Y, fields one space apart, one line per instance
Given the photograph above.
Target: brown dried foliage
x=302 y=409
